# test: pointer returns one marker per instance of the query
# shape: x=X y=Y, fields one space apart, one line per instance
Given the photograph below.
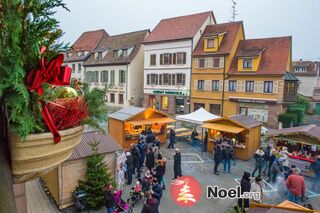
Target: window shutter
x=173 y=79
x=238 y=89
x=161 y=59
x=174 y=58
x=260 y=86
x=184 y=58
x=183 y=79
x=220 y=85
x=207 y=84
x=195 y=84
x=243 y=86
x=160 y=79
x=275 y=87
x=148 y=79
x=221 y=62
x=196 y=63
x=156 y=77
x=255 y=87
x=226 y=85
x=208 y=63
x=169 y=79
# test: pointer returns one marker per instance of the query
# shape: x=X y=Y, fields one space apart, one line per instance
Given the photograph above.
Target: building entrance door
x=152 y=101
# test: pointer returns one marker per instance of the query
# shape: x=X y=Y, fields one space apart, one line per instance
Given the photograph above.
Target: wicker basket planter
x=38 y=154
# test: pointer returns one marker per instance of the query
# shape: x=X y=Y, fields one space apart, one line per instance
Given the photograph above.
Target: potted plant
x=45 y=116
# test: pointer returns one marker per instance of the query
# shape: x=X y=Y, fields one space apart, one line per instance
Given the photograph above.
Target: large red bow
x=52 y=73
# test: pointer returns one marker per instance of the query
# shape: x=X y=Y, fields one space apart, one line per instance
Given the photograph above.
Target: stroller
x=79 y=197
x=121 y=205
x=135 y=197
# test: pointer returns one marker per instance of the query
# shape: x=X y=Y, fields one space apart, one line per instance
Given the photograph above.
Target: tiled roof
x=290 y=77
x=88 y=41
x=117 y=42
x=182 y=27
x=245 y=121
x=310 y=66
x=249 y=52
x=126 y=113
x=311 y=130
x=230 y=29
x=274 y=58
x=83 y=149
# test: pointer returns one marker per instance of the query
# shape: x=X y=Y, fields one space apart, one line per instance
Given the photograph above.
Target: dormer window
x=210 y=43
x=78 y=54
x=115 y=53
x=69 y=55
x=247 y=63
x=125 y=52
x=99 y=55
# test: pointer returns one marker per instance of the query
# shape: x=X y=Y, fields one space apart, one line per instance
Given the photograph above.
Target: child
x=137 y=188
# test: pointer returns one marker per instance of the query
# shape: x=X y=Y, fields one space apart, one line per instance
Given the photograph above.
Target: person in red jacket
x=296 y=186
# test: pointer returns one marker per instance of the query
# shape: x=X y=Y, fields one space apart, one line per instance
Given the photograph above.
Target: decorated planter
x=38 y=154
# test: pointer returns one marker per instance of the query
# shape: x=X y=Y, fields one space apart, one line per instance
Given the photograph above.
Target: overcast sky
x=262 y=18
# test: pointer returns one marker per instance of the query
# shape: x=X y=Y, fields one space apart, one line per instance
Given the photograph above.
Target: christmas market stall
x=240 y=131
x=127 y=124
x=302 y=144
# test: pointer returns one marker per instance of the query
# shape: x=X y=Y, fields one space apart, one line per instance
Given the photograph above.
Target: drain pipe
x=223 y=84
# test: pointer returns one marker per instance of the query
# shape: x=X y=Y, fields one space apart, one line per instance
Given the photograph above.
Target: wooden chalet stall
x=243 y=132
x=63 y=180
x=126 y=124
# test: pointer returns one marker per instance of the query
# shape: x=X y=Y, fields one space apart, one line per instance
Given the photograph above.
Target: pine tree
x=97 y=177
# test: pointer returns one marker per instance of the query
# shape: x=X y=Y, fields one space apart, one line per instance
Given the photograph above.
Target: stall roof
x=152 y=121
x=126 y=113
x=197 y=117
x=245 y=121
x=311 y=130
x=223 y=127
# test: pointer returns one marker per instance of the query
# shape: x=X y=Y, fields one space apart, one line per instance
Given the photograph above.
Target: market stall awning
x=152 y=121
x=223 y=127
x=197 y=117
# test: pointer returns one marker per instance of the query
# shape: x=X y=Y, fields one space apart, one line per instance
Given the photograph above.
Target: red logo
x=186 y=191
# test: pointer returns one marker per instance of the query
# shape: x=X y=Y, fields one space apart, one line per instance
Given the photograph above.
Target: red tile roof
x=231 y=29
x=274 y=58
x=83 y=149
x=176 y=28
x=312 y=68
x=88 y=41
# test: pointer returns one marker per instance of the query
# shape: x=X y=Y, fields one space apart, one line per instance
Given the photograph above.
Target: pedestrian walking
x=160 y=172
x=135 y=159
x=315 y=166
x=272 y=158
x=256 y=187
x=109 y=200
x=156 y=190
x=129 y=163
x=245 y=186
x=150 y=138
x=142 y=149
x=150 y=159
x=194 y=136
x=266 y=158
x=177 y=164
x=172 y=138
x=276 y=169
x=296 y=186
x=259 y=157
x=157 y=143
x=143 y=136
x=285 y=156
x=227 y=154
x=217 y=159
x=151 y=204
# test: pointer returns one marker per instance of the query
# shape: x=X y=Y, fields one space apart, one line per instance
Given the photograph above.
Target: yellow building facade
x=232 y=75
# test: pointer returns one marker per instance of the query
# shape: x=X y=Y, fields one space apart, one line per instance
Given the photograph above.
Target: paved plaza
x=194 y=163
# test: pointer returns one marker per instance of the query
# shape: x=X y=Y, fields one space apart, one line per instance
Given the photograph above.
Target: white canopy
x=197 y=117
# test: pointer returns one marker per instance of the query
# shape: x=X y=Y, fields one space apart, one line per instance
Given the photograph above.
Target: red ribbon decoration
x=52 y=73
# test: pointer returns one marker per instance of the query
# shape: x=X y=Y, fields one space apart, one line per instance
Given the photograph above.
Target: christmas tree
x=97 y=177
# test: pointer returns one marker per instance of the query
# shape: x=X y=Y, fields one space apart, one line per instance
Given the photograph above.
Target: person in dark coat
x=315 y=166
x=156 y=190
x=217 y=158
x=172 y=138
x=259 y=157
x=135 y=153
x=194 y=136
x=177 y=164
x=129 y=163
x=150 y=138
x=205 y=142
x=151 y=204
x=245 y=187
x=150 y=159
x=142 y=148
x=276 y=169
x=157 y=143
x=227 y=154
x=109 y=200
x=160 y=172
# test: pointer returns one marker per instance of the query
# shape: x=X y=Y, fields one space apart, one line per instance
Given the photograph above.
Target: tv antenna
x=234 y=11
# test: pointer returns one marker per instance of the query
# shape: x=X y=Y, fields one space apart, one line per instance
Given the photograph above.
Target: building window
x=210 y=43
x=197 y=106
x=122 y=76
x=165 y=59
x=215 y=85
x=165 y=79
x=153 y=58
x=92 y=76
x=104 y=77
x=112 y=77
x=268 y=87
x=249 y=86
x=73 y=67
x=112 y=98
x=79 y=67
x=164 y=102
x=115 y=53
x=244 y=111
x=247 y=63
x=179 y=105
x=291 y=88
x=181 y=58
x=201 y=63
x=125 y=53
x=208 y=62
x=216 y=62
x=173 y=79
x=232 y=86
x=181 y=79
x=200 y=85
x=215 y=109
x=120 y=101
x=154 y=79
x=99 y=55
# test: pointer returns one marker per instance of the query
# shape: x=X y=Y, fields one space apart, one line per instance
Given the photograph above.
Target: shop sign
x=258 y=114
x=169 y=92
x=240 y=100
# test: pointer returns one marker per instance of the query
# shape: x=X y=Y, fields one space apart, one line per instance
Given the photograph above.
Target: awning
x=152 y=121
x=223 y=127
